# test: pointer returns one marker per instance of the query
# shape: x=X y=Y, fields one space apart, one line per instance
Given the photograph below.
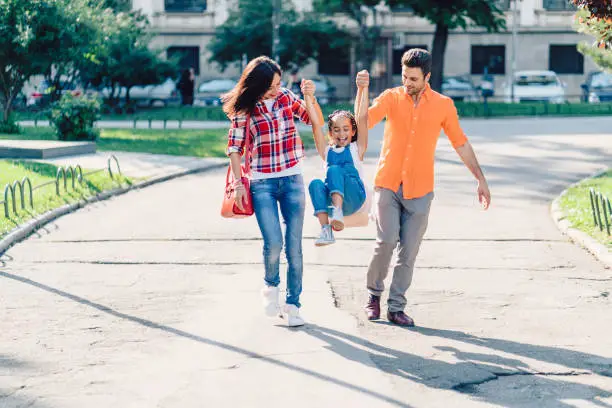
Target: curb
x=600 y=251
x=25 y=230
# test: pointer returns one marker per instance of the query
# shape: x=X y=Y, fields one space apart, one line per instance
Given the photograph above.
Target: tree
x=31 y=34
x=248 y=31
x=122 y=58
x=358 y=11
x=600 y=9
x=600 y=28
x=449 y=15
x=75 y=38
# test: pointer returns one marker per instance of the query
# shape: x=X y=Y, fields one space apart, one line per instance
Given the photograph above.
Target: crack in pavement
x=13 y=391
x=470 y=387
x=208 y=263
x=306 y=237
x=261 y=357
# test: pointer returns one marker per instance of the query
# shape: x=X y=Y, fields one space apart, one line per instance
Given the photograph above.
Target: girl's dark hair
x=343 y=114
x=255 y=81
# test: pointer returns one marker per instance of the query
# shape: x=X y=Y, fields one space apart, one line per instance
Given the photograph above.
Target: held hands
x=308 y=87
x=363 y=79
x=484 y=195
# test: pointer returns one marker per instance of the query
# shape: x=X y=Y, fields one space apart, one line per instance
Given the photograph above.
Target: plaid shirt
x=276 y=143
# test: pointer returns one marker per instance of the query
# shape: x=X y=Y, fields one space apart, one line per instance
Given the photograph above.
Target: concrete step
x=43 y=149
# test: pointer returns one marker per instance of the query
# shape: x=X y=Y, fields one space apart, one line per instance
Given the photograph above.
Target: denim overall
x=342 y=178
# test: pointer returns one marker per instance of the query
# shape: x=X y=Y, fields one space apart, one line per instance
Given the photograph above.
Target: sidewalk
x=140 y=165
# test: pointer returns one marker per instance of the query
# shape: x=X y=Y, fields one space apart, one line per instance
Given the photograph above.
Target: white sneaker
x=337 y=219
x=270 y=301
x=326 y=237
x=293 y=316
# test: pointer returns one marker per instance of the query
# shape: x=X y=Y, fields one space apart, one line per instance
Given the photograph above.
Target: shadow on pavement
x=474 y=369
x=210 y=342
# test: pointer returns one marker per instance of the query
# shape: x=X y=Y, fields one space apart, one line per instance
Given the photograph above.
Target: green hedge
x=465 y=109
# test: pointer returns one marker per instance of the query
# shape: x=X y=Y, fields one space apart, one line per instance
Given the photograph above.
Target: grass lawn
x=577 y=206
x=45 y=198
x=181 y=142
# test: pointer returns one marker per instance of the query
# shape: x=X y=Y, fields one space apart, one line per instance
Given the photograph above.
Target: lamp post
x=276 y=14
x=515 y=4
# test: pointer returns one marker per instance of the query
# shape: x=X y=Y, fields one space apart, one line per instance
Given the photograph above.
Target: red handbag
x=229 y=209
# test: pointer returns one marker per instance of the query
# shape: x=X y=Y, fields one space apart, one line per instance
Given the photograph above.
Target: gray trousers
x=403 y=221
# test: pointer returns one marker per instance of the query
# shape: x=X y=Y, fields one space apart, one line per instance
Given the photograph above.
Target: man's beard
x=413 y=91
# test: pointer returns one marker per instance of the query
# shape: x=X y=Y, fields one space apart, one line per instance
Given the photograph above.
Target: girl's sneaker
x=293 y=316
x=337 y=219
x=326 y=237
x=269 y=296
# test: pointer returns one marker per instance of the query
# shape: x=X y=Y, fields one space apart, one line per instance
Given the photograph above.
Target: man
x=405 y=176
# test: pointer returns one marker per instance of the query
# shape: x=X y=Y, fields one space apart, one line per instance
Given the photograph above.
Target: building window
x=559 y=5
x=565 y=59
x=185 y=6
x=397 y=57
x=504 y=5
x=186 y=57
x=491 y=58
x=334 y=61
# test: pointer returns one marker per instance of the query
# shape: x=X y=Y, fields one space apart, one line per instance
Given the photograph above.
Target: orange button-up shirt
x=411 y=135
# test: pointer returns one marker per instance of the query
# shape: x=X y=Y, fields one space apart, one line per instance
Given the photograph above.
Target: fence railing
x=601 y=210
x=61 y=178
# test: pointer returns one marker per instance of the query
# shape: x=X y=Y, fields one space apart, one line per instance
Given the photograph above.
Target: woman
x=276 y=179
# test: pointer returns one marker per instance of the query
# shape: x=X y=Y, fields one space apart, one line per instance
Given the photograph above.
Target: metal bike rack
x=24 y=186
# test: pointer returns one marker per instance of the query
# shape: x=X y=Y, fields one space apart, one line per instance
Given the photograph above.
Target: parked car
x=460 y=89
x=536 y=86
x=41 y=94
x=325 y=90
x=149 y=95
x=597 y=88
x=209 y=92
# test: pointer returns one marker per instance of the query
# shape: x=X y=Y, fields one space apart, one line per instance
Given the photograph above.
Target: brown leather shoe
x=400 y=318
x=373 y=307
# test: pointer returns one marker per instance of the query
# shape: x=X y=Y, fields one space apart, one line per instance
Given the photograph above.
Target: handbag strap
x=247 y=145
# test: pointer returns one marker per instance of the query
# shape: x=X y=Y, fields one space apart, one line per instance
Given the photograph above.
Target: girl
x=343 y=154
x=276 y=179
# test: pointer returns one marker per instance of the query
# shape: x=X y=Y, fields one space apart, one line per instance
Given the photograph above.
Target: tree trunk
x=6 y=108
x=437 y=53
x=127 y=95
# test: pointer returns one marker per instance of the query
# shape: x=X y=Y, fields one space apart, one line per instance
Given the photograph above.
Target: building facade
x=545 y=39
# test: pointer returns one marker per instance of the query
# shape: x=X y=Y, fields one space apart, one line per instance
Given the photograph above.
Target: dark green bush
x=9 y=126
x=74 y=116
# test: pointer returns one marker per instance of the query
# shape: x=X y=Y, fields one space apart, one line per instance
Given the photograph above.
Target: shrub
x=9 y=126
x=73 y=117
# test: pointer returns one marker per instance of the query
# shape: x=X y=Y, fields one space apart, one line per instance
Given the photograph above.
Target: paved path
x=138 y=165
x=151 y=299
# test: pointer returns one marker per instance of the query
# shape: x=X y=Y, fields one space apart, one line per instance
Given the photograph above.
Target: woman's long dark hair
x=253 y=84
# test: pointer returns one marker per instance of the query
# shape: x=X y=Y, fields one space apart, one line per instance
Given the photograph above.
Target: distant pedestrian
x=186 y=86
x=276 y=179
x=405 y=176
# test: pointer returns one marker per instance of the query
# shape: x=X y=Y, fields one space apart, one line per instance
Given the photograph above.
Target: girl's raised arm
x=362 y=103
x=315 y=118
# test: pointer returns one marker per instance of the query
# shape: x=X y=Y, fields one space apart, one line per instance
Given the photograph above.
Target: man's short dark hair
x=417 y=58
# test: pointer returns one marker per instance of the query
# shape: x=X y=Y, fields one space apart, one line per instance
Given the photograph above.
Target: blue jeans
x=268 y=195
x=348 y=185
